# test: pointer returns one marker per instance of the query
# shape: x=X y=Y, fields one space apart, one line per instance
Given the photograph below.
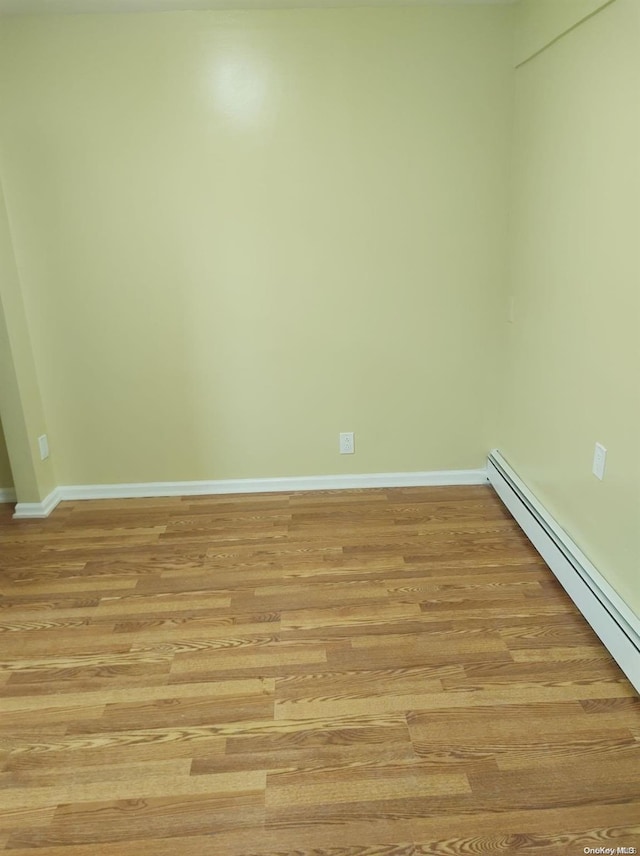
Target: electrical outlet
x=43 y=445
x=347 y=446
x=599 y=461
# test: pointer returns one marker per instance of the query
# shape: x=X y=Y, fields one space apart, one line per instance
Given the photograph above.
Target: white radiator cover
x=612 y=620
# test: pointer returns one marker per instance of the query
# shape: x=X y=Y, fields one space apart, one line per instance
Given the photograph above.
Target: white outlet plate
x=43 y=445
x=347 y=444
x=599 y=461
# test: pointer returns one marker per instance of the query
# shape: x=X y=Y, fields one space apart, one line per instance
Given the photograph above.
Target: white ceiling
x=38 y=7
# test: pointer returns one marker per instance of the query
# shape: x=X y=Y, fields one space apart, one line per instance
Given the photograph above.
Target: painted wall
x=6 y=479
x=241 y=233
x=539 y=22
x=21 y=408
x=574 y=349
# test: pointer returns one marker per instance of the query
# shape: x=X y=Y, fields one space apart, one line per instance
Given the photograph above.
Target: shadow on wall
x=6 y=479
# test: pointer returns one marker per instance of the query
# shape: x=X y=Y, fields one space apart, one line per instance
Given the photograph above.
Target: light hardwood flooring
x=336 y=674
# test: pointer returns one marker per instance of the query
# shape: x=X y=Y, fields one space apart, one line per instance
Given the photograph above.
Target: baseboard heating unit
x=609 y=616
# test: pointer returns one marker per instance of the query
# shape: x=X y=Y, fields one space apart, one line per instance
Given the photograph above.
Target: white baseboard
x=609 y=616
x=7 y=494
x=269 y=485
x=37 y=510
x=272 y=485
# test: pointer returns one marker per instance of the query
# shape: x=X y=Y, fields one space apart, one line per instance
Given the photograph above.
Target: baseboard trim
x=269 y=485
x=37 y=510
x=7 y=494
x=609 y=616
x=272 y=485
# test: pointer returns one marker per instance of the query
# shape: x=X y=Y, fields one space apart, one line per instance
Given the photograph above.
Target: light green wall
x=539 y=22
x=574 y=349
x=6 y=479
x=241 y=233
x=20 y=401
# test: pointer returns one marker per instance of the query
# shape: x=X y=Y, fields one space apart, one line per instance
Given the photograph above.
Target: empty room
x=319 y=420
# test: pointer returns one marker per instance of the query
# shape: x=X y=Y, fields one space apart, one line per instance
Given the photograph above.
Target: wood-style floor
x=337 y=674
